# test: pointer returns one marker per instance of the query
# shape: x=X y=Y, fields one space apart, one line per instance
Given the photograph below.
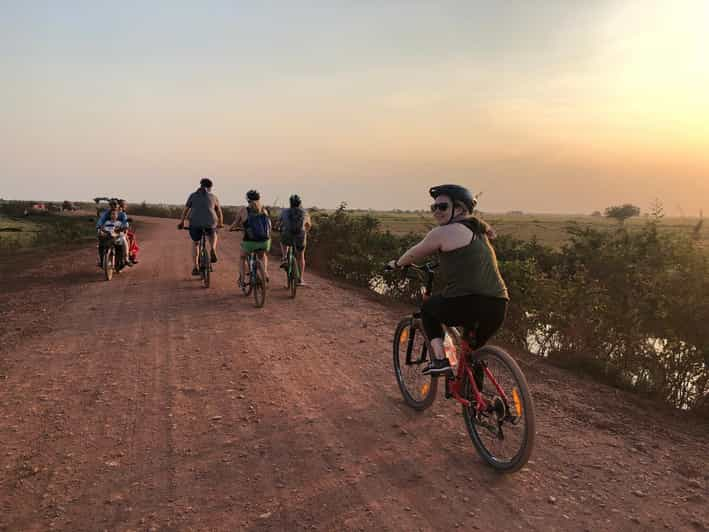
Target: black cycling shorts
x=196 y=232
x=297 y=241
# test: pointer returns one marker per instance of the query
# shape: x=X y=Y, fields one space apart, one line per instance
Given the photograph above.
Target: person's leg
x=129 y=239
x=440 y=310
x=195 y=237
x=242 y=265
x=123 y=242
x=433 y=312
x=212 y=244
x=432 y=316
x=134 y=248
x=284 y=258
x=263 y=255
x=486 y=316
x=301 y=264
x=300 y=248
x=195 y=257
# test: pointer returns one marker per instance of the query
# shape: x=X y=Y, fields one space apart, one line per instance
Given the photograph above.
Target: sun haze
x=542 y=106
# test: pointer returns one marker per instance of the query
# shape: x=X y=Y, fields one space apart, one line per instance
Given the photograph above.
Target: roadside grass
x=44 y=230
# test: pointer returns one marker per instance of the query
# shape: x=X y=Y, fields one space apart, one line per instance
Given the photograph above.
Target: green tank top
x=472 y=270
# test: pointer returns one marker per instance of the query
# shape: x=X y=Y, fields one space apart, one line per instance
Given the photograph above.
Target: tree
x=657 y=210
x=622 y=212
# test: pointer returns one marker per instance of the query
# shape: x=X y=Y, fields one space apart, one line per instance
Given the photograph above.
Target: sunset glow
x=530 y=105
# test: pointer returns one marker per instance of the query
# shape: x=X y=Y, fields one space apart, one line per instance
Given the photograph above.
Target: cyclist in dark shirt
x=205 y=214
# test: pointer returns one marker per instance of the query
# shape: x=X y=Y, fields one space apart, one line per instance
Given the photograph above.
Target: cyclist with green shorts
x=256 y=223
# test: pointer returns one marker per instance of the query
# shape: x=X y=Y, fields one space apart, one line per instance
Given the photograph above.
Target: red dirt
x=149 y=403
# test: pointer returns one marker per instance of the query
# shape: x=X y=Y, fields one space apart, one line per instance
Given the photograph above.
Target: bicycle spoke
x=501 y=427
x=417 y=384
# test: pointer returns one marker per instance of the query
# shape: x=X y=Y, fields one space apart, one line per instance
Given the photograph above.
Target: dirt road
x=149 y=403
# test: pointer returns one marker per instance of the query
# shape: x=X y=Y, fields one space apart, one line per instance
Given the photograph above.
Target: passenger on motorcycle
x=130 y=234
x=256 y=224
x=112 y=232
x=104 y=217
x=474 y=294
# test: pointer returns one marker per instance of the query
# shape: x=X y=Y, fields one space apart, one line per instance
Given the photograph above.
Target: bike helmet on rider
x=295 y=200
x=205 y=182
x=253 y=195
x=457 y=194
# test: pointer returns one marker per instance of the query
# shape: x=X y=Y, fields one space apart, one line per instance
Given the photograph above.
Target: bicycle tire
x=292 y=277
x=425 y=393
x=204 y=267
x=259 y=281
x=472 y=423
x=108 y=258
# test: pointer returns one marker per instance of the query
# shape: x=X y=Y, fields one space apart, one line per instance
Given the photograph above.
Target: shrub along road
x=148 y=402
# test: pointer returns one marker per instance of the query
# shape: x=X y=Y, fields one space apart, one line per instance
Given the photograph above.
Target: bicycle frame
x=202 y=247
x=251 y=264
x=292 y=261
x=454 y=385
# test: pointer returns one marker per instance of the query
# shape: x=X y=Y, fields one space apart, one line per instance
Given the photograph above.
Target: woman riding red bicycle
x=474 y=295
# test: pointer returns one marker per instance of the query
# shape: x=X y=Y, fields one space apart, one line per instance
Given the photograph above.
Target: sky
x=562 y=106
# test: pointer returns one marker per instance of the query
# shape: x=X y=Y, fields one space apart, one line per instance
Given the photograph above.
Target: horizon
x=555 y=107
x=514 y=212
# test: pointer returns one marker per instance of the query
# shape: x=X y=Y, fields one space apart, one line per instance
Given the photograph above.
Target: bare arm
x=238 y=222
x=220 y=215
x=429 y=245
x=185 y=212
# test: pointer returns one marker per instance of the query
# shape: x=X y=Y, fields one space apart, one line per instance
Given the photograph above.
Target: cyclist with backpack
x=295 y=224
x=256 y=224
x=205 y=214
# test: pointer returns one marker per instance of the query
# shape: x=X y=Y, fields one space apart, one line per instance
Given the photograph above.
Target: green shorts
x=249 y=246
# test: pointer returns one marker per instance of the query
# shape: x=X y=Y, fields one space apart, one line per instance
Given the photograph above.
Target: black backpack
x=296 y=217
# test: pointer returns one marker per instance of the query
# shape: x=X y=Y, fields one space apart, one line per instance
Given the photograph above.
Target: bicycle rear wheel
x=293 y=277
x=108 y=262
x=204 y=266
x=411 y=353
x=258 y=279
x=504 y=432
x=246 y=287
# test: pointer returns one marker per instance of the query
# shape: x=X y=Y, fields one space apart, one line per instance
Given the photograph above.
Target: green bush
x=628 y=308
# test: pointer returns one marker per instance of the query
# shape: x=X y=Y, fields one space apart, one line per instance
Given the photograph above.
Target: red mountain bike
x=497 y=406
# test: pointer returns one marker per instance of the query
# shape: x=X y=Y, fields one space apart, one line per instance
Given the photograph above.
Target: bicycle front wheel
x=258 y=279
x=503 y=433
x=411 y=354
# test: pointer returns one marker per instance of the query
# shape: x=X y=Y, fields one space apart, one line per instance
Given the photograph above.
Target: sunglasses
x=443 y=207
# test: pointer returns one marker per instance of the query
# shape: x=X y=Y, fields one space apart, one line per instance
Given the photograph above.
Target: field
x=18 y=232
x=43 y=229
x=548 y=229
